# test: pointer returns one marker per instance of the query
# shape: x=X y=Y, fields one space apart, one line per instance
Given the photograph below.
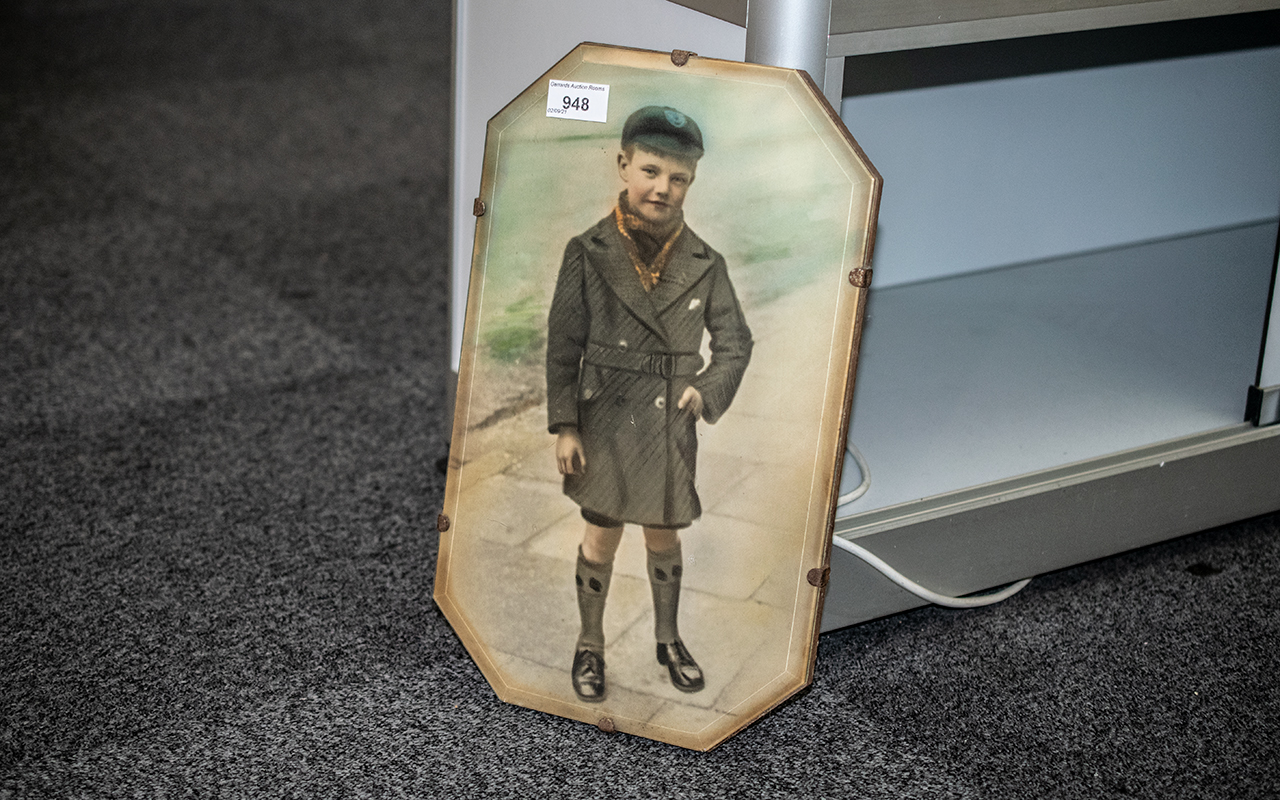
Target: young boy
x=626 y=384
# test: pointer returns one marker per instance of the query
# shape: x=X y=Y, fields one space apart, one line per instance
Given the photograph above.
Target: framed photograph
x=670 y=271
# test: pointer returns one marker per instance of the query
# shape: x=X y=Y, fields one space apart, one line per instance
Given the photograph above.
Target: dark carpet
x=223 y=361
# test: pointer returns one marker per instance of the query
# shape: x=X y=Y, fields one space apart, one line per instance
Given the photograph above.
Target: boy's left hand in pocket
x=691 y=401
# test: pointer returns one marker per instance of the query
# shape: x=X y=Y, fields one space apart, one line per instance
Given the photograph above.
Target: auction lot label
x=572 y=100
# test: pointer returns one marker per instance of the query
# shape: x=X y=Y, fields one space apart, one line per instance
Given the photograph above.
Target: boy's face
x=656 y=184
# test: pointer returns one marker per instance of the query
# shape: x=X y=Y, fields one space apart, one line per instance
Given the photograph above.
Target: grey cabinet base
x=986 y=536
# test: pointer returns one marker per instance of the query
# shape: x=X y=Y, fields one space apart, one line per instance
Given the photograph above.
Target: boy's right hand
x=570 y=458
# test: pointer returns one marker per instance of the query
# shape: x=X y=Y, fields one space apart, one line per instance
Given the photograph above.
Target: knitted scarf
x=648 y=245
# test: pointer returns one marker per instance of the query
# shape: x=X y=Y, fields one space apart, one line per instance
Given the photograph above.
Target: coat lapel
x=614 y=265
x=687 y=265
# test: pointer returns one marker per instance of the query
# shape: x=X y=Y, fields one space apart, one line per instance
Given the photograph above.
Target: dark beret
x=664 y=130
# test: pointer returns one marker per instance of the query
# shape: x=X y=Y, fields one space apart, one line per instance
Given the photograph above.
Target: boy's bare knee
x=599 y=544
x=660 y=540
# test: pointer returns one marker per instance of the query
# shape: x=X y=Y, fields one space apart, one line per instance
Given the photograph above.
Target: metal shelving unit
x=1146 y=441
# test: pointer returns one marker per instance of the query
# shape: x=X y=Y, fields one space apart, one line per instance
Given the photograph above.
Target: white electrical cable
x=897 y=577
x=862 y=488
x=921 y=592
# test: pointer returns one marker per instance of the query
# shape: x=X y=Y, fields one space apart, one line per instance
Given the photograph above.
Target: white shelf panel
x=987 y=376
x=859 y=27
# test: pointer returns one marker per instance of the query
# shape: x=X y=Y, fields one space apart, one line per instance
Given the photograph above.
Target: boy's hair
x=663 y=130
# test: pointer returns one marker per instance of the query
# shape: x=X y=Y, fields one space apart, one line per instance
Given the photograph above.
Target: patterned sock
x=665 y=570
x=593 y=588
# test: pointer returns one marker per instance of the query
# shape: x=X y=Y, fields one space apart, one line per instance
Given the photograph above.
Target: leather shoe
x=686 y=675
x=588 y=676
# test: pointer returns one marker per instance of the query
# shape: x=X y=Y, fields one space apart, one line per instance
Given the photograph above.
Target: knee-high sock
x=593 y=587
x=665 y=571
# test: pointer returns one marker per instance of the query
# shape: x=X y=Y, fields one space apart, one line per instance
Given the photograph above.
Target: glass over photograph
x=659 y=350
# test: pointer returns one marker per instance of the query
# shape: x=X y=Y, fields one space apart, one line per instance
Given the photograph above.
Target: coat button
x=622 y=343
x=660 y=401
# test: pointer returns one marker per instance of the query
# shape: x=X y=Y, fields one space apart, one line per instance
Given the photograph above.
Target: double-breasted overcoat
x=618 y=360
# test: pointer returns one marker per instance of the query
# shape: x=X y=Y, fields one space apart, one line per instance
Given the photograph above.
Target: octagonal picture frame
x=709 y=408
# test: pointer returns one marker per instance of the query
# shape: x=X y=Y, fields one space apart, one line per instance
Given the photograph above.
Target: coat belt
x=666 y=365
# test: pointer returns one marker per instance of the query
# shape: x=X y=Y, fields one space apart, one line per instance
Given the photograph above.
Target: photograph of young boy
x=627 y=384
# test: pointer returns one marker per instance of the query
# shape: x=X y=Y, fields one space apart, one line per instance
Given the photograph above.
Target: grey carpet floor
x=223 y=335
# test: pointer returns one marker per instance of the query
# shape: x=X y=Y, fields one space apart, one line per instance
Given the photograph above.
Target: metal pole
x=790 y=33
